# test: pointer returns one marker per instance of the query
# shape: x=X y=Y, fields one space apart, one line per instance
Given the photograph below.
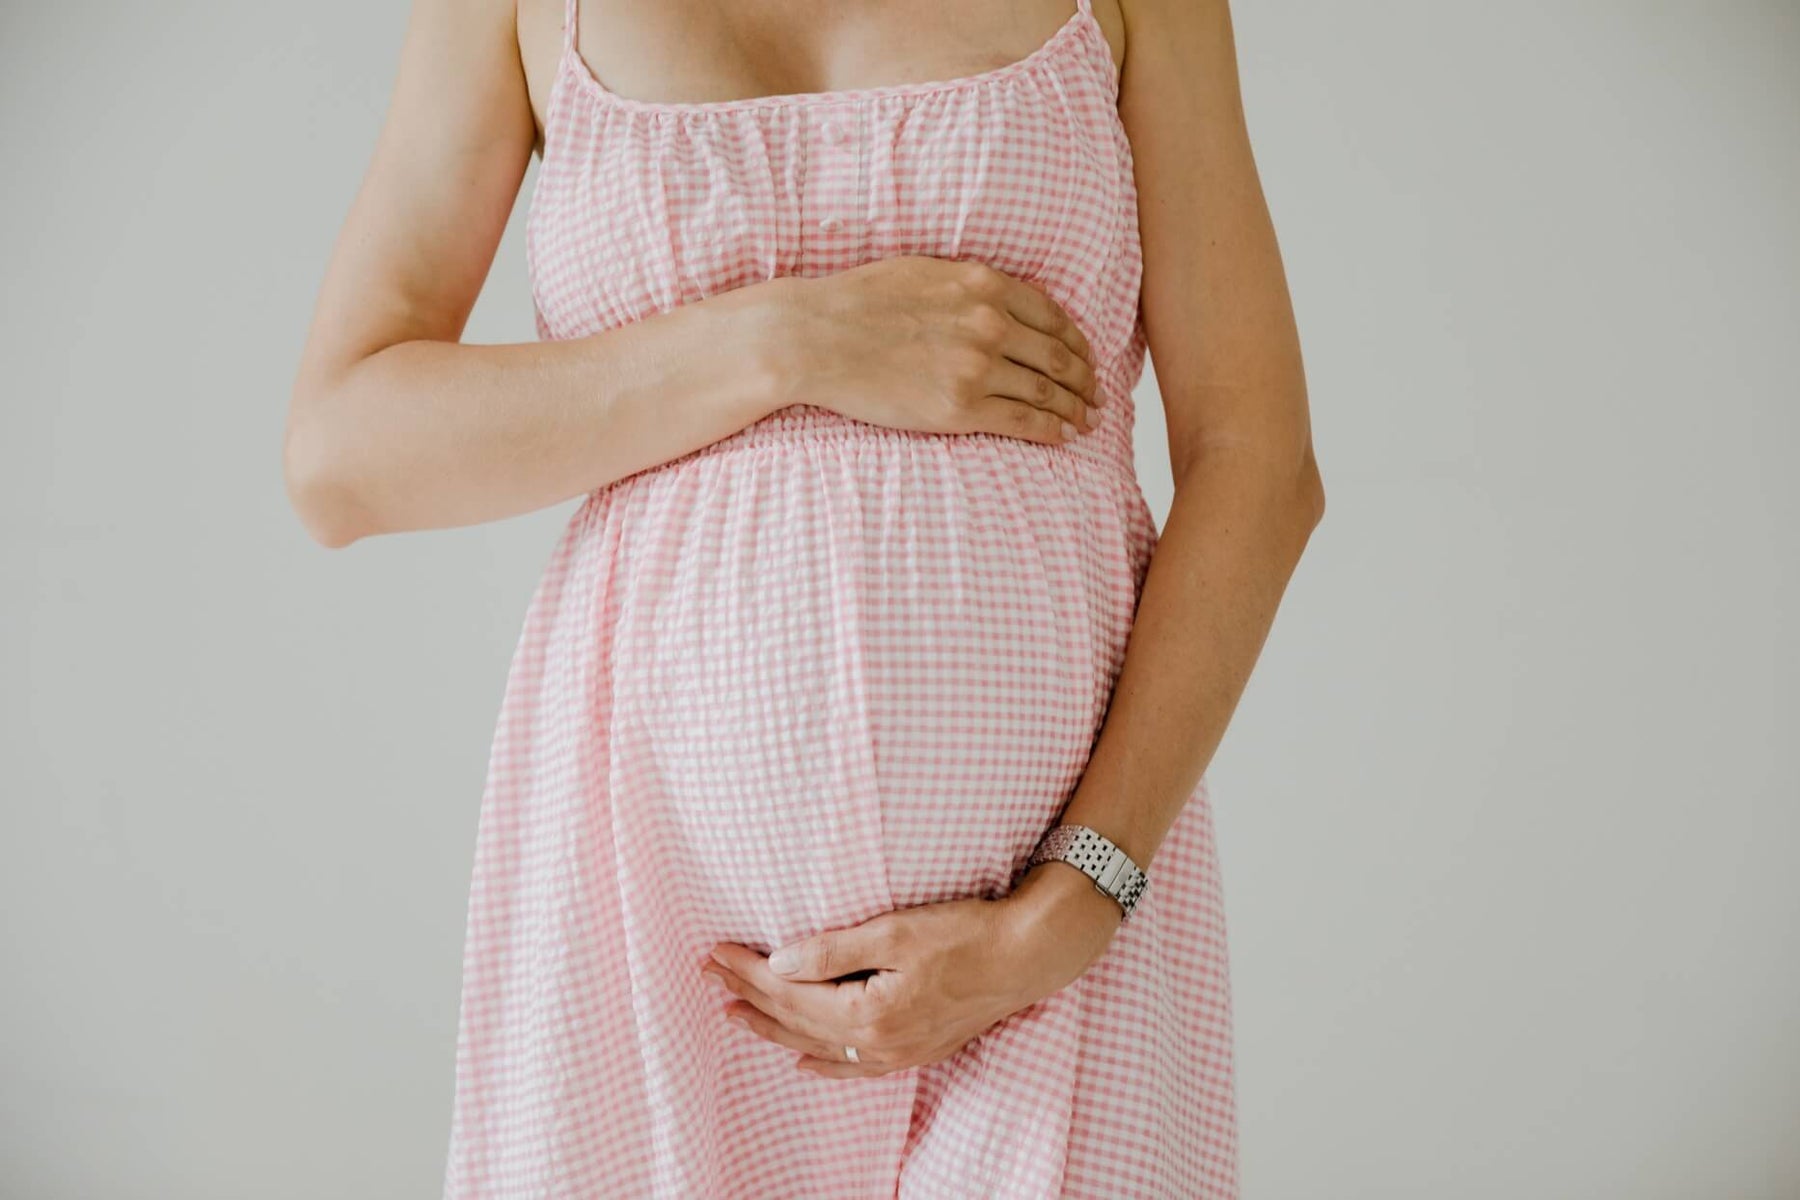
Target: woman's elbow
x=311 y=473
x=1312 y=489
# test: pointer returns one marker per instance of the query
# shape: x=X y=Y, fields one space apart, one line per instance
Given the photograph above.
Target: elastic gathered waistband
x=807 y=422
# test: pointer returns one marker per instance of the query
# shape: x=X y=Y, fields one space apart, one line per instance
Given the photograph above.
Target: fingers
x=770 y=1018
x=1032 y=307
x=828 y=1012
x=1051 y=358
x=765 y=1026
x=816 y=1057
x=1032 y=361
x=1010 y=380
x=864 y=947
x=1017 y=418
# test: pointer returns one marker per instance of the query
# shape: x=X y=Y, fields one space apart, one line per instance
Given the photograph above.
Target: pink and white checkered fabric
x=821 y=669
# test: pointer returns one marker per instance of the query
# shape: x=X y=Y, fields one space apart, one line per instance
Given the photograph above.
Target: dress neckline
x=576 y=67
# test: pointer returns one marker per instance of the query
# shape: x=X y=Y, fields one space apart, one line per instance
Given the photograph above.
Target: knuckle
x=986 y=324
x=976 y=276
x=968 y=371
x=1043 y=388
x=1061 y=357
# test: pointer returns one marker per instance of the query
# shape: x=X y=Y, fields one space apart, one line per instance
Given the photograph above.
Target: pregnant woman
x=855 y=648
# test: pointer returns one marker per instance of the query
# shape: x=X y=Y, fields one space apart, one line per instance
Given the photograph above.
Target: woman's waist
x=1103 y=449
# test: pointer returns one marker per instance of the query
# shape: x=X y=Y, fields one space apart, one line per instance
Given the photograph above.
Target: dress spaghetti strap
x=572 y=12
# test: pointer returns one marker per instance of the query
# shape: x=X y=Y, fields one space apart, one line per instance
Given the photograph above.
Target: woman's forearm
x=429 y=434
x=1235 y=532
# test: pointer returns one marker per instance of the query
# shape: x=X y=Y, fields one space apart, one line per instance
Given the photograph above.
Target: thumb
x=827 y=955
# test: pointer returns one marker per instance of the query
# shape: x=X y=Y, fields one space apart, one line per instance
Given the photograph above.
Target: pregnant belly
x=849 y=668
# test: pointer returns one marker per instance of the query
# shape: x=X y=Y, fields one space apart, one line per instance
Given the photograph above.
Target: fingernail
x=785 y=961
x=1069 y=432
x=717 y=957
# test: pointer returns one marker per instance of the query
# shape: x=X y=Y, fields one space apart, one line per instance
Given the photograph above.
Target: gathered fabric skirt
x=811 y=672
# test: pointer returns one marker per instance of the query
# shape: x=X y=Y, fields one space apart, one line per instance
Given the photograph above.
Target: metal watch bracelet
x=1096 y=856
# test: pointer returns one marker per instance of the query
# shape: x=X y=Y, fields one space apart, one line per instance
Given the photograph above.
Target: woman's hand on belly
x=936 y=346
x=930 y=977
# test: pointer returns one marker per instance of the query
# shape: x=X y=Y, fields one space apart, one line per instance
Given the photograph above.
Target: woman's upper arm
x=421 y=233
x=1216 y=310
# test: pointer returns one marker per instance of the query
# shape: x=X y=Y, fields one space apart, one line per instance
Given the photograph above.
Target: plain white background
x=1508 y=815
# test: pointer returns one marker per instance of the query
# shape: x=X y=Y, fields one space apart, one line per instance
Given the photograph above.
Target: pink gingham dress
x=821 y=669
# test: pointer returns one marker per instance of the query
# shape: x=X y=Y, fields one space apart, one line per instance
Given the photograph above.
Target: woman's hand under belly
x=928 y=979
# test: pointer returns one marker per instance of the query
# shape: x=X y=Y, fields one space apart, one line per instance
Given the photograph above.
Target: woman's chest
x=649 y=212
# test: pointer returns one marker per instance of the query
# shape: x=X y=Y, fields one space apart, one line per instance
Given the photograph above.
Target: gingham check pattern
x=821 y=669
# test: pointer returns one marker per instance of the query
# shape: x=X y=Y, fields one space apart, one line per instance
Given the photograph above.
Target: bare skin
x=394 y=425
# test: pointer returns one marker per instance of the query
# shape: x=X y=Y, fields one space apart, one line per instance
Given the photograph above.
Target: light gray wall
x=1509 y=840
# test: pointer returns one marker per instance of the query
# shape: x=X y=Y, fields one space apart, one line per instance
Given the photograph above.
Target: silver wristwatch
x=1097 y=857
